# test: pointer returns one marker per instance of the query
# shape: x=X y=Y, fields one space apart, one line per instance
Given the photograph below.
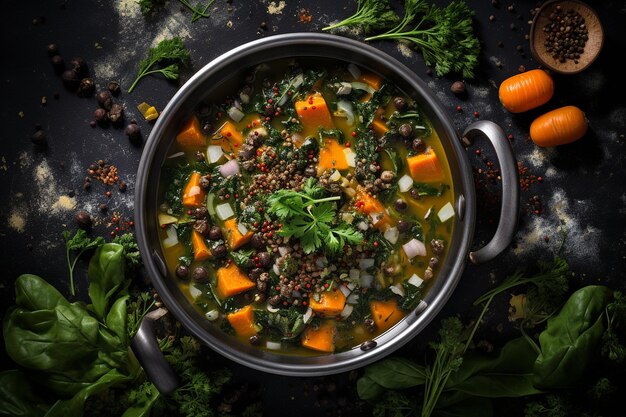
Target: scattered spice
x=458 y=87
x=567 y=34
x=104 y=172
x=304 y=16
x=83 y=219
x=526 y=179
x=39 y=138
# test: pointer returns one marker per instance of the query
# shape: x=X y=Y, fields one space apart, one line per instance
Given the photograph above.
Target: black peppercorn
x=101 y=116
x=257 y=241
x=104 y=99
x=86 y=87
x=403 y=226
x=133 y=131
x=418 y=145
x=458 y=87
x=39 y=138
x=122 y=187
x=200 y=273
x=57 y=64
x=114 y=87
x=83 y=219
x=182 y=271
x=219 y=251
x=265 y=259
x=116 y=114
x=405 y=130
x=70 y=80
x=53 y=49
x=400 y=204
x=79 y=66
x=263 y=25
x=400 y=103
x=414 y=194
x=255 y=340
x=215 y=233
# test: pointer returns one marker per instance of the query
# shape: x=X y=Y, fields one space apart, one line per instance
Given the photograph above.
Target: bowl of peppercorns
x=566 y=36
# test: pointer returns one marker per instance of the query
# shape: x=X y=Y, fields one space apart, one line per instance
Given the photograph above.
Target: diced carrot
x=193 y=194
x=232 y=281
x=322 y=338
x=313 y=113
x=331 y=303
x=425 y=167
x=243 y=321
x=332 y=156
x=385 y=314
x=191 y=136
x=371 y=79
x=379 y=126
x=232 y=139
x=233 y=236
x=369 y=205
x=201 y=251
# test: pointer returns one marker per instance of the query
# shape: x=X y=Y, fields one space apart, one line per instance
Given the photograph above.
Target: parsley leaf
x=170 y=54
x=81 y=243
x=370 y=15
x=131 y=250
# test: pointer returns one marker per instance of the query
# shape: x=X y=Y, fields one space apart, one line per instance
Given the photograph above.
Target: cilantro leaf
x=370 y=15
x=169 y=53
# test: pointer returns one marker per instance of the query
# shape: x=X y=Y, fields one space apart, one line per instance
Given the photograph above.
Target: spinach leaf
x=412 y=297
x=106 y=275
x=464 y=406
x=17 y=398
x=391 y=373
x=571 y=338
x=395 y=158
x=289 y=322
x=117 y=320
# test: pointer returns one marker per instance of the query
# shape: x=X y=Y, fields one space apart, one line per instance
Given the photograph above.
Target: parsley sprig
x=78 y=244
x=370 y=15
x=165 y=58
x=309 y=216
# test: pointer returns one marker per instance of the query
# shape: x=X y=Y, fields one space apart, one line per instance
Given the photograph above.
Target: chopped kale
x=412 y=297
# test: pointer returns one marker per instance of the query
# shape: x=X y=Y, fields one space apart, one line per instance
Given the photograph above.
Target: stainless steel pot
x=227 y=70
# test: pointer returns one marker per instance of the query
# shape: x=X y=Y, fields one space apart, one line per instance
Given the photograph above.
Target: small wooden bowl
x=538 y=37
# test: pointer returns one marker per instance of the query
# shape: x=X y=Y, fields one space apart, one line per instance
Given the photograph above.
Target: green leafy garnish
x=309 y=216
x=444 y=35
x=81 y=242
x=165 y=58
x=199 y=11
x=370 y=15
x=131 y=250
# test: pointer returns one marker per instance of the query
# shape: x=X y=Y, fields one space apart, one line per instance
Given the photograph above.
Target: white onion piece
x=415 y=280
x=276 y=269
x=172 y=237
x=405 y=183
x=344 y=290
x=335 y=176
x=367 y=280
x=229 y=168
x=214 y=153
x=272 y=309
x=224 y=211
x=366 y=263
x=414 y=248
x=392 y=235
x=375 y=217
x=344 y=89
x=350 y=157
x=166 y=219
x=194 y=292
x=397 y=289
x=273 y=345
x=212 y=315
x=354 y=71
x=283 y=250
x=235 y=114
x=362 y=226
x=347 y=310
x=351 y=286
x=242 y=228
x=176 y=155
x=446 y=212
x=298 y=80
x=194 y=190
x=344 y=109
x=308 y=314
x=353 y=298
x=362 y=86
x=354 y=274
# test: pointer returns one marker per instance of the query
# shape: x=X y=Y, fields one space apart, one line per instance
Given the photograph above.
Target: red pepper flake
x=353 y=134
x=249 y=126
x=510 y=136
x=477 y=152
x=459 y=109
x=313 y=107
x=375 y=243
x=348 y=144
x=229 y=134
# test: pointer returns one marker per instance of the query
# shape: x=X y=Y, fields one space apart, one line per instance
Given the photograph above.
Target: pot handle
x=509 y=210
x=146 y=348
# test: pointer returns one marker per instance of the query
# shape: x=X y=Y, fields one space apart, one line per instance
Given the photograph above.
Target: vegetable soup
x=308 y=211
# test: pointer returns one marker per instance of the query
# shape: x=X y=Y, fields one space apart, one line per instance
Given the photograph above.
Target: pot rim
x=408 y=327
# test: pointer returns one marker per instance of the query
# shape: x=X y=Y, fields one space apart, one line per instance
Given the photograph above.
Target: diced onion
x=351 y=286
x=421 y=307
x=352 y=298
x=212 y=315
x=321 y=262
x=276 y=269
x=366 y=263
x=283 y=250
x=367 y=280
x=214 y=153
x=242 y=228
x=415 y=280
x=194 y=292
x=354 y=274
x=273 y=345
x=344 y=89
x=405 y=183
x=392 y=235
x=272 y=309
x=344 y=290
x=362 y=86
x=350 y=157
x=397 y=289
x=335 y=176
x=194 y=190
x=235 y=114
x=229 y=168
x=347 y=310
x=308 y=314
x=354 y=71
x=344 y=109
x=298 y=80
x=414 y=248
x=446 y=212
x=362 y=226
x=172 y=237
x=176 y=155
x=224 y=211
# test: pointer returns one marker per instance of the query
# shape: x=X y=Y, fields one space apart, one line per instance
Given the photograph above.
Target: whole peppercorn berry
x=114 y=88
x=400 y=103
x=116 y=114
x=53 y=49
x=86 y=87
x=405 y=130
x=101 y=116
x=182 y=271
x=39 y=138
x=58 y=64
x=70 y=80
x=215 y=233
x=79 y=65
x=200 y=273
x=83 y=219
x=104 y=99
x=219 y=251
x=458 y=87
x=133 y=131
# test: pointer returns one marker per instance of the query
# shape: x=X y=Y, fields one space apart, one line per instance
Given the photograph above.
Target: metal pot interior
x=226 y=74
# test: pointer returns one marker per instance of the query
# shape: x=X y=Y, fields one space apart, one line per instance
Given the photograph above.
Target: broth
x=307 y=212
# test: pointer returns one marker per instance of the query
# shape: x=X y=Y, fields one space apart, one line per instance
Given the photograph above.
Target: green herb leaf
x=81 y=242
x=169 y=54
x=370 y=15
